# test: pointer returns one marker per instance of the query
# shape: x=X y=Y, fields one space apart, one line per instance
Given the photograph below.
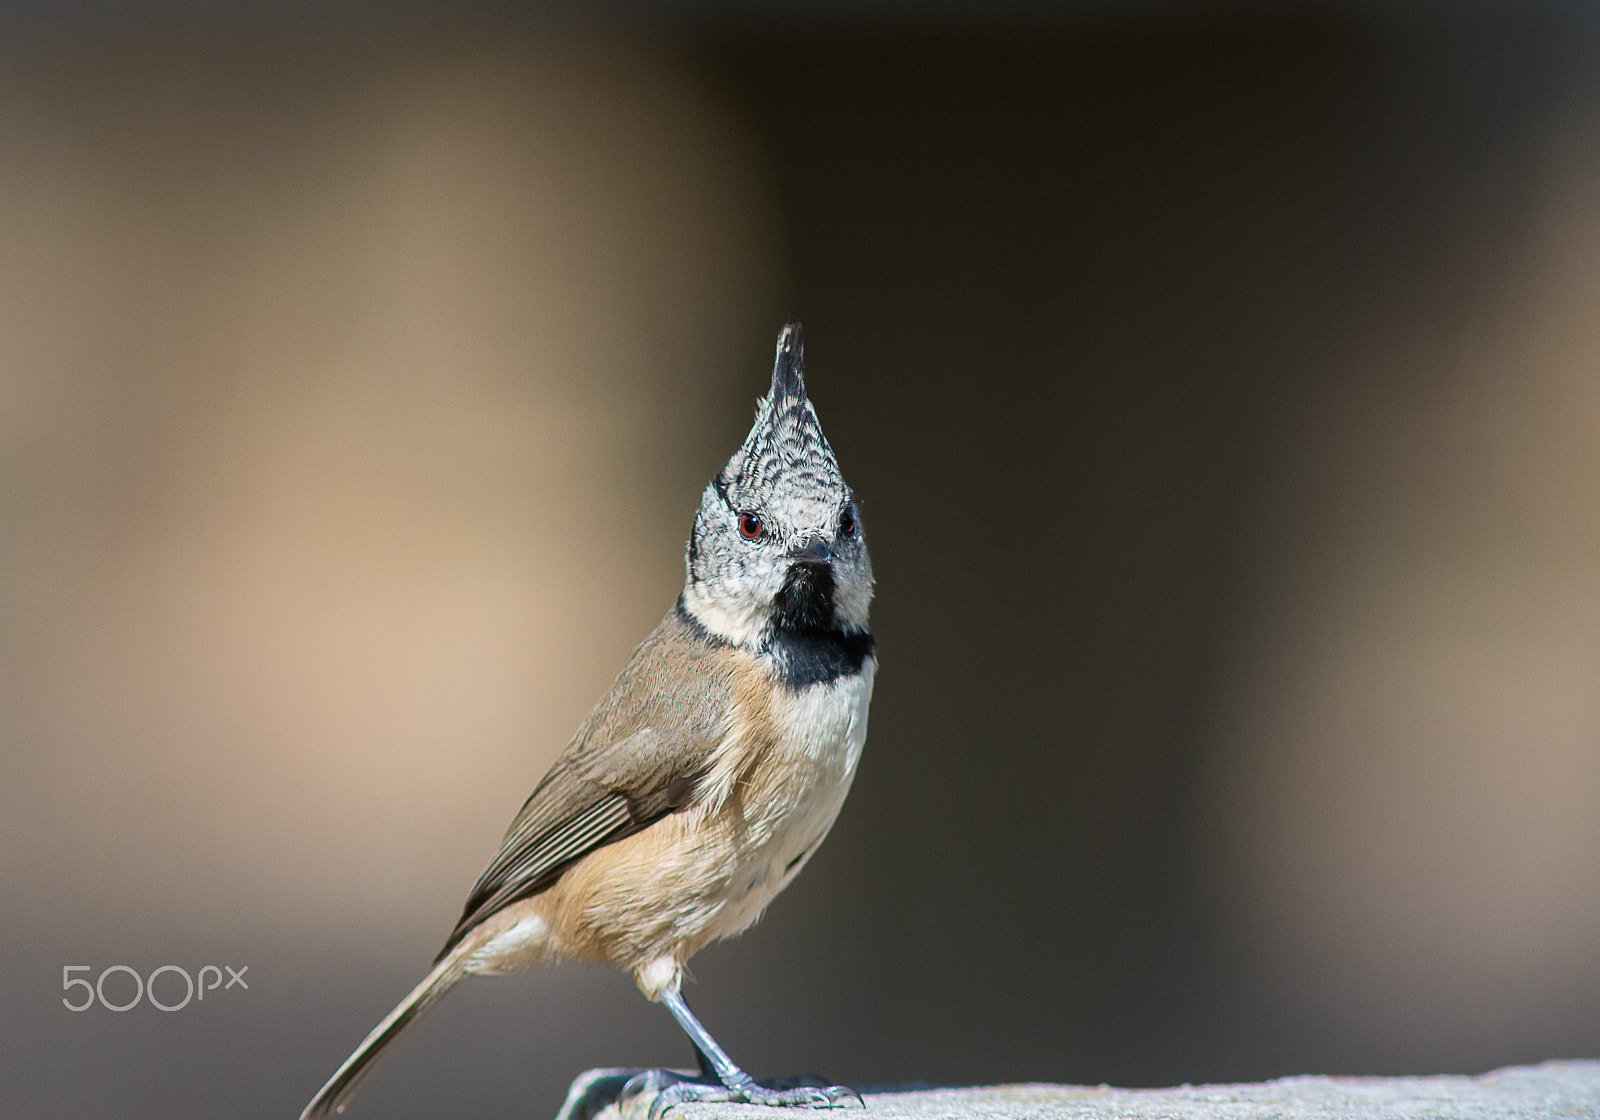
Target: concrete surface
x=1554 y=1089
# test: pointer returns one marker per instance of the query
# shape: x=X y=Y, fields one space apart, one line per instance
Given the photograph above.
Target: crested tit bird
x=706 y=777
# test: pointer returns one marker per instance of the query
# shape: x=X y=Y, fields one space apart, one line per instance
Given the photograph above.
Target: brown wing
x=634 y=760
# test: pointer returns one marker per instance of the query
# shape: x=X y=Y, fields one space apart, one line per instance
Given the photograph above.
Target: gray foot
x=665 y=1088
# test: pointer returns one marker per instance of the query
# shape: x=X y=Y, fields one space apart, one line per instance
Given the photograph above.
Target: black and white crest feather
x=785 y=456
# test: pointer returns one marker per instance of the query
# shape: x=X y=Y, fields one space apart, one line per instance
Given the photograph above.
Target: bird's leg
x=714 y=1061
x=708 y=1068
x=730 y=1082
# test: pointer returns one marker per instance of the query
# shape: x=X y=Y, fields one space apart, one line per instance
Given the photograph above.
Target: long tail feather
x=342 y=1086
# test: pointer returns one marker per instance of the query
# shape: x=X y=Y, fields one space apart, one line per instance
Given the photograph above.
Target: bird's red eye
x=749 y=526
x=847 y=523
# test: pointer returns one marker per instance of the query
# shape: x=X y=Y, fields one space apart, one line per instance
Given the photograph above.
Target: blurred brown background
x=1222 y=385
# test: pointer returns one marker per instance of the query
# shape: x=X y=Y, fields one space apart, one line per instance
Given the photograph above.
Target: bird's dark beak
x=813 y=550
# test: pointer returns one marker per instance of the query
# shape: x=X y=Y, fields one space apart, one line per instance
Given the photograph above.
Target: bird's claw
x=669 y=1089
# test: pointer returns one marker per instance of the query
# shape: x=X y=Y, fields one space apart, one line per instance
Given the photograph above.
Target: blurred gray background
x=1222 y=386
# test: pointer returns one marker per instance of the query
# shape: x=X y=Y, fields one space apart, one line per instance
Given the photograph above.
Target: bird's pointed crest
x=788 y=367
x=785 y=453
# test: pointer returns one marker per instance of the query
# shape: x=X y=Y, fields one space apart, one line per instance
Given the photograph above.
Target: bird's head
x=778 y=543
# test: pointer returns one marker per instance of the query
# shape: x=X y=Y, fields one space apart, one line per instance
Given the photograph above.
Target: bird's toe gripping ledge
x=1564 y=1090
x=647 y=1094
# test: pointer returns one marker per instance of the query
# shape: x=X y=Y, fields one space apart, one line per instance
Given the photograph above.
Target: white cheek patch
x=851 y=598
x=736 y=620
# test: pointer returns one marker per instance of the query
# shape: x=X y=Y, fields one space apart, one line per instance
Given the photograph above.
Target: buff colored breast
x=776 y=783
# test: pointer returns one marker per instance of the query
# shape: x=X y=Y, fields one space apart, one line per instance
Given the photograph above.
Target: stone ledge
x=1554 y=1089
